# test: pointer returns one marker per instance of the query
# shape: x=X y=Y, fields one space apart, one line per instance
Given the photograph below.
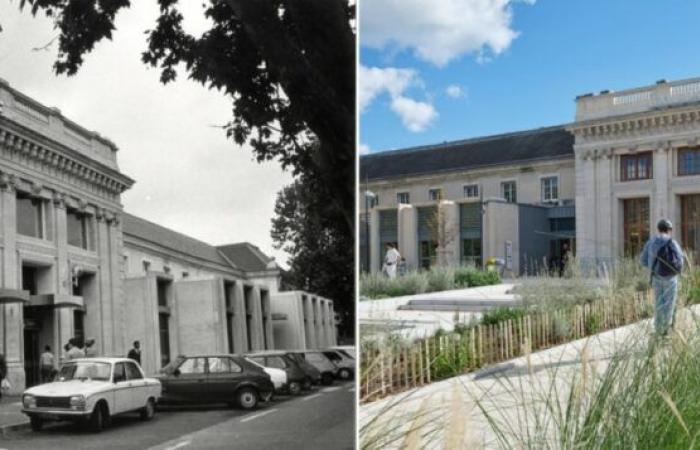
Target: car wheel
x=98 y=419
x=295 y=388
x=327 y=379
x=148 y=411
x=36 y=423
x=344 y=374
x=247 y=398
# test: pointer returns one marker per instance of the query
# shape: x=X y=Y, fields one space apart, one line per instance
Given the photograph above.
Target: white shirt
x=392 y=256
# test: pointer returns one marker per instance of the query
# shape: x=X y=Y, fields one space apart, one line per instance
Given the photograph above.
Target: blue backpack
x=667 y=261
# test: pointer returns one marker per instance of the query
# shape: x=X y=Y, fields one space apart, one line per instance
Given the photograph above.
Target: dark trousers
x=46 y=374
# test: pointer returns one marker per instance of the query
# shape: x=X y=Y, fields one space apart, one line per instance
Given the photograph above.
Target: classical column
x=585 y=204
x=120 y=342
x=12 y=313
x=106 y=337
x=603 y=207
x=240 y=338
x=408 y=235
x=375 y=256
x=661 y=206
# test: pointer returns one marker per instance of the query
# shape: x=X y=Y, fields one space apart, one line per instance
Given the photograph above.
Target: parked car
x=346 y=364
x=277 y=376
x=347 y=350
x=313 y=375
x=215 y=378
x=92 y=390
x=296 y=377
x=320 y=361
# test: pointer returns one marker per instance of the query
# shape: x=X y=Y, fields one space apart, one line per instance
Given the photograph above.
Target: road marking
x=310 y=397
x=255 y=416
x=330 y=389
x=178 y=445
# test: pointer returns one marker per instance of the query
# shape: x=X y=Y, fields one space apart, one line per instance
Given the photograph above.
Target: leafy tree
x=321 y=260
x=287 y=65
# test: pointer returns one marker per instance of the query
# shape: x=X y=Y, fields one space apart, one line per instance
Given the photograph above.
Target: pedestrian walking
x=135 y=353
x=391 y=260
x=664 y=258
x=46 y=361
x=4 y=384
x=90 y=348
x=74 y=352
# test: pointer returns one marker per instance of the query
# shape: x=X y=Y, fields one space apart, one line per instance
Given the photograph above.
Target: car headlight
x=29 y=401
x=77 y=402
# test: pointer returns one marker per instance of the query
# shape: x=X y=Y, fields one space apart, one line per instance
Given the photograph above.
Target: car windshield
x=343 y=352
x=85 y=370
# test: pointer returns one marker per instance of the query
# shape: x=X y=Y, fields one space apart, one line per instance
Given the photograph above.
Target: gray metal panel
x=425 y=215
x=534 y=237
x=561 y=212
x=388 y=226
x=470 y=220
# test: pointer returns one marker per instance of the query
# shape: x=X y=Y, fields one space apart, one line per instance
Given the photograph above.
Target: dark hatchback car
x=313 y=375
x=214 y=379
x=296 y=377
x=319 y=361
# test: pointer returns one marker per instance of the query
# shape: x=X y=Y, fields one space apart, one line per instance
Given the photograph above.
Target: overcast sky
x=189 y=177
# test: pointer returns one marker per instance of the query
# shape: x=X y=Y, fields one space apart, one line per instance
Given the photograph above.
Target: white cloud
x=455 y=91
x=439 y=32
x=415 y=115
x=364 y=149
x=375 y=81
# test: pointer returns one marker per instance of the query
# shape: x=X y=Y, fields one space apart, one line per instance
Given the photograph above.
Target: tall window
x=403 y=198
x=435 y=194
x=163 y=292
x=550 y=189
x=228 y=298
x=635 y=225
x=79 y=325
x=471 y=191
x=689 y=161
x=30 y=216
x=508 y=191
x=636 y=167
x=79 y=228
x=690 y=224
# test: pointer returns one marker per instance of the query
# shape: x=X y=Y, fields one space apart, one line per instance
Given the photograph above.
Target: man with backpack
x=664 y=257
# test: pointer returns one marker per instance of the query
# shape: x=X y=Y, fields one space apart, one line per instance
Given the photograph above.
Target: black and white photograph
x=177 y=224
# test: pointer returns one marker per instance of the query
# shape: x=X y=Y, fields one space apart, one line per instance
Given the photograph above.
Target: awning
x=56 y=300
x=13 y=296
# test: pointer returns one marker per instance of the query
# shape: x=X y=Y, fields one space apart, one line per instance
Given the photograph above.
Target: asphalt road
x=322 y=419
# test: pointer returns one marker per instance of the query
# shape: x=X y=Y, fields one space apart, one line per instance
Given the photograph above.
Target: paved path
x=321 y=420
x=447 y=414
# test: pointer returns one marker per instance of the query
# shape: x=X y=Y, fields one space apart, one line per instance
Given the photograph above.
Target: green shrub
x=561 y=327
x=592 y=324
x=440 y=280
x=502 y=314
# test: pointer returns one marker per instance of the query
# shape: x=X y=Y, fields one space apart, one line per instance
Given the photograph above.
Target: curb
x=4 y=429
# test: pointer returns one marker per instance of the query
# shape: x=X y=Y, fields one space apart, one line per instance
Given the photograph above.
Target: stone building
x=596 y=186
x=74 y=264
x=302 y=320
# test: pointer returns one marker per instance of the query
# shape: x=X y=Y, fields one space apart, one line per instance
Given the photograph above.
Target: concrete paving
x=395 y=313
x=458 y=412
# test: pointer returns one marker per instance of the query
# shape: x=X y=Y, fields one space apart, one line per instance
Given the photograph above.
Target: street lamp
x=369 y=195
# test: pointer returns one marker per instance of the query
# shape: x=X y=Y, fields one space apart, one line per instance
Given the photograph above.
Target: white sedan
x=92 y=390
x=277 y=376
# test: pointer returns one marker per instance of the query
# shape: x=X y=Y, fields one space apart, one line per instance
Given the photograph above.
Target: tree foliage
x=322 y=259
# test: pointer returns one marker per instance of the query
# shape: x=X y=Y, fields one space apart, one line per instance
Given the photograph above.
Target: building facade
x=596 y=186
x=75 y=265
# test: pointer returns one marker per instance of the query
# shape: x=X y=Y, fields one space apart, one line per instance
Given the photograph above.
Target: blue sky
x=510 y=82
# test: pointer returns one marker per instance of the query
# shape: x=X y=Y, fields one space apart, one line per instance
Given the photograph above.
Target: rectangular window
x=471 y=191
x=79 y=325
x=690 y=224
x=508 y=191
x=164 y=333
x=30 y=216
x=79 y=229
x=435 y=194
x=403 y=198
x=689 y=161
x=550 y=189
x=636 y=167
x=635 y=225
x=163 y=286
x=471 y=252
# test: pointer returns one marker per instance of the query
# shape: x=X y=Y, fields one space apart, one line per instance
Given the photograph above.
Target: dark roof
x=538 y=144
x=165 y=237
x=246 y=256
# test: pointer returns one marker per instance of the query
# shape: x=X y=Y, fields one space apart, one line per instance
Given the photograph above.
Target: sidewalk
x=11 y=417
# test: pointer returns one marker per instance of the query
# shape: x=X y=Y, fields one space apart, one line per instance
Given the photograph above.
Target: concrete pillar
x=106 y=336
x=585 y=209
x=240 y=344
x=603 y=216
x=12 y=313
x=448 y=230
x=257 y=331
x=408 y=235
x=120 y=341
x=308 y=321
x=375 y=256
x=661 y=202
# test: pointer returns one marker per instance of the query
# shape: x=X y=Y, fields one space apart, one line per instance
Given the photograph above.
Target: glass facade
x=470 y=234
x=427 y=239
x=636 y=167
x=635 y=225
x=690 y=224
x=689 y=161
